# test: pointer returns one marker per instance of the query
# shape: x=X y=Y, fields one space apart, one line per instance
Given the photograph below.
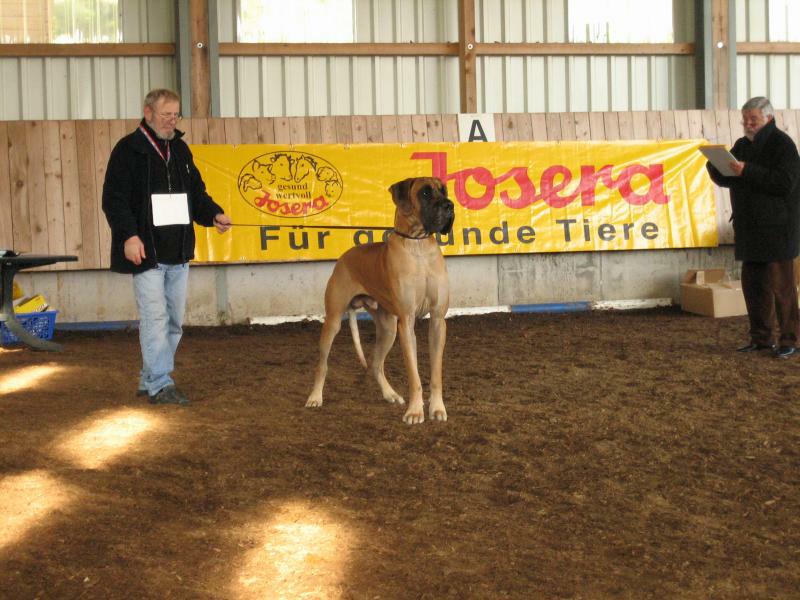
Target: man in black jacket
x=151 y=194
x=765 y=198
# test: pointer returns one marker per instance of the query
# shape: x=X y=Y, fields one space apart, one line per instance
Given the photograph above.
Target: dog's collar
x=412 y=237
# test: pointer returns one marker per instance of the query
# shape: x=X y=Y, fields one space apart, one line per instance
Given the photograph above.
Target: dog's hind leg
x=329 y=330
x=336 y=303
x=385 y=333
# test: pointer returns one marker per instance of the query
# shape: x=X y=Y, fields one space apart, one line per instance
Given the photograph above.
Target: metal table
x=9 y=265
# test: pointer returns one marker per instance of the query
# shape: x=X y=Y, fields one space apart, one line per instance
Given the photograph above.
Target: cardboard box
x=709 y=292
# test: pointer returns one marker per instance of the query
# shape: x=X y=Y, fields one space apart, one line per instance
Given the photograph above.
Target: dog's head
x=422 y=206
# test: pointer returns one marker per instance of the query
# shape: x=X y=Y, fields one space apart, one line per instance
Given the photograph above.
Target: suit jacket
x=765 y=198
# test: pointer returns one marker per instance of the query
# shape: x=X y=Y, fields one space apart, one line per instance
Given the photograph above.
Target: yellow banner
x=514 y=197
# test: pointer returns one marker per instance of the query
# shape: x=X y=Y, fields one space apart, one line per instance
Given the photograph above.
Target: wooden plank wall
x=51 y=172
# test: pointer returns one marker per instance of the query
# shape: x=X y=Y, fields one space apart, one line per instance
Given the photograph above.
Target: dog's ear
x=400 y=194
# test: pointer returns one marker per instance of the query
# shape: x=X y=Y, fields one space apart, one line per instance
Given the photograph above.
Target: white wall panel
x=248 y=76
x=341 y=91
x=777 y=76
x=294 y=78
x=364 y=86
x=32 y=86
x=318 y=86
x=578 y=73
x=93 y=88
x=599 y=82
x=536 y=89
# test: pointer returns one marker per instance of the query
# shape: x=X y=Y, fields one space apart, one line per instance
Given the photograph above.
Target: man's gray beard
x=170 y=136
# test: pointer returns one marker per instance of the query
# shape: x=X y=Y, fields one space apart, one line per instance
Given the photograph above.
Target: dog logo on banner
x=290 y=184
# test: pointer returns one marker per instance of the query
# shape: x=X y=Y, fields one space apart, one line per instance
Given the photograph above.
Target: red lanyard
x=155 y=145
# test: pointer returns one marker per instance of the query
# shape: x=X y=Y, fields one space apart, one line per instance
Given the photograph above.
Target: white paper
x=170 y=209
x=719 y=156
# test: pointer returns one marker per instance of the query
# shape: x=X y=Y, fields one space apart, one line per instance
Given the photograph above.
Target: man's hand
x=737 y=167
x=134 y=250
x=222 y=222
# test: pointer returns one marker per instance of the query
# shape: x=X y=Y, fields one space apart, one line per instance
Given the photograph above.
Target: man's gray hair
x=154 y=96
x=760 y=103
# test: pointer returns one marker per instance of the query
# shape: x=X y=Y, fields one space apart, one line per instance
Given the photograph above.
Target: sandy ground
x=586 y=455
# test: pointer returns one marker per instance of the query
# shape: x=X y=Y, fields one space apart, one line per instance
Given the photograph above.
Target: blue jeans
x=161 y=300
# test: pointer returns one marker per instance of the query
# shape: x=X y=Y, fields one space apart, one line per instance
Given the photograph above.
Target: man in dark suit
x=765 y=198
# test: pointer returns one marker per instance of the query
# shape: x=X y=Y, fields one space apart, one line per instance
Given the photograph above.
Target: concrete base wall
x=236 y=293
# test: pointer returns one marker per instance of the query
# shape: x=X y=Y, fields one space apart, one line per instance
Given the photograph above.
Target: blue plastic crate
x=40 y=324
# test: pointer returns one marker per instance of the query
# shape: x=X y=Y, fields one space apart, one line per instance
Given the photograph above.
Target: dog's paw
x=414 y=417
x=313 y=401
x=393 y=397
x=439 y=414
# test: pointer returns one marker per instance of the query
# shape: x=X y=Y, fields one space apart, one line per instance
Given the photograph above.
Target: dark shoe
x=785 y=351
x=140 y=392
x=753 y=347
x=169 y=395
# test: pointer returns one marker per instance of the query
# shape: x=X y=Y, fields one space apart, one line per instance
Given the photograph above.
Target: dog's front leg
x=436 y=340
x=408 y=343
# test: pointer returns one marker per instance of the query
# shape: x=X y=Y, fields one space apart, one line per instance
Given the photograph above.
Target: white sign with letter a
x=473 y=127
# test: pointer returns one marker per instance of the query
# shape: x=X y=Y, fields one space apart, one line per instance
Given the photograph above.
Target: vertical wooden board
x=419 y=128
x=625 y=125
x=498 y=127
x=87 y=194
x=668 y=124
x=553 y=127
x=723 y=127
x=567 y=126
x=709 y=125
x=582 y=126
x=374 y=133
x=102 y=150
x=216 y=131
x=433 y=125
x=404 y=129
x=653 y=120
x=344 y=129
x=313 y=130
x=73 y=227
x=53 y=190
x=359 y=124
x=597 y=129
x=18 y=177
x=735 y=124
x=695 y=120
x=509 y=127
x=639 y=125
x=611 y=125
x=523 y=126
x=682 y=131
x=539 y=127
x=6 y=231
x=233 y=131
x=282 y=134
x=297 y=130
x=328 y=130
x=249 y=128
x=266 y=130
x=200 y=131
x=449 y=128
x=116 y=131
x=789 y=123
x=389 y=129
x=186 y=128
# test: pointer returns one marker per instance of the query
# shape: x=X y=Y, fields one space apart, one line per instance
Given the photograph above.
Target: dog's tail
x=356 y=338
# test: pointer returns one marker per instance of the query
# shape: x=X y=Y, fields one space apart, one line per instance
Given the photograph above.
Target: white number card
x=170 y=209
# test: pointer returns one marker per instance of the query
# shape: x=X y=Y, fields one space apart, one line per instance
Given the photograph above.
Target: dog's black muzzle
x=438 y=216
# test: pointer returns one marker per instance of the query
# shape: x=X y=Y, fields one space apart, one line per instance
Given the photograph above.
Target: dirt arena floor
x=586 y=455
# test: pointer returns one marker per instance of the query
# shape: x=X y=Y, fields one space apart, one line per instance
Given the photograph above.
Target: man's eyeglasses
x=169 y=116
